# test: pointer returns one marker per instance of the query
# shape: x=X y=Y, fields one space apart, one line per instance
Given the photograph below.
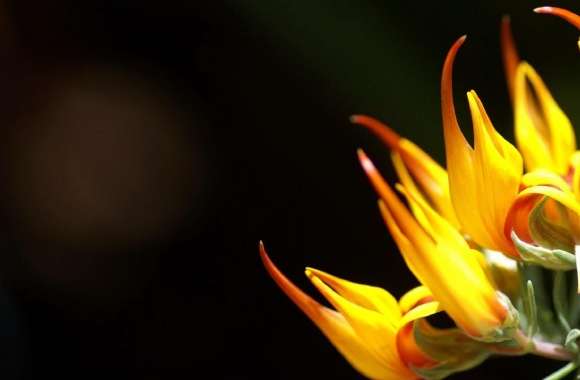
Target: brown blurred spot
x=107 y=163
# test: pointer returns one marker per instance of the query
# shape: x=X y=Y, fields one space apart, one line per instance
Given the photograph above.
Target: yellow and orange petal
x=543 y=132
x=441 y=260
x=484 y=180
x=415 y=168
x=544 y=135
x=366 y=337
x=509 y=54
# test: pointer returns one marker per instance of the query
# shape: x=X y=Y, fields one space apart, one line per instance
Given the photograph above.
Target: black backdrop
x=263 y=90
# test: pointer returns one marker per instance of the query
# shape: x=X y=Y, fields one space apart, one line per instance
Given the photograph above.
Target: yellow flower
x=458 y=232
x=484 y=180
x=546 y=139
x=441 y=259
x=368 y=327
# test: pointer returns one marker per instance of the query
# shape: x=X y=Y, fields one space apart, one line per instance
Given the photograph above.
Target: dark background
x=147 y=146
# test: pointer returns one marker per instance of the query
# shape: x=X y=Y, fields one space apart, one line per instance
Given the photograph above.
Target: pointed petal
x=544 y=177
x=410 y=352
x=386 y=134
x=421 y=311
x=498 y=169
x=510 y=55
x=566 y=198
x=453 y=274
x=543 y=133
x=333 y=325
x=413 y=297
x=493 y=165
x=565 y=14
x=431 y=177
x=439 y=229
x=369 y=297
x=377 y=332
x=459 y=157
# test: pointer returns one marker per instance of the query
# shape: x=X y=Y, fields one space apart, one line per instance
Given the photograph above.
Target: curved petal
x=483 y=181
x=565 y=14
x=498 y=169
x=543 y=133
x=376 y=331
x=335 y=327
x=407 y=346
x=369 y=297
x=544 y=177
x=566 y=198
x=444 y=263
x=415 y=296
x=509 y=54
x=386 y=134
x=409 y=160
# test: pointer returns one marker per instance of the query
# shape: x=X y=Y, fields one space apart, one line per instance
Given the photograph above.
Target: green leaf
x=554 y=259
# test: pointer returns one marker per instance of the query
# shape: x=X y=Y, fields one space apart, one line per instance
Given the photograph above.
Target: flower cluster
x=481 y=236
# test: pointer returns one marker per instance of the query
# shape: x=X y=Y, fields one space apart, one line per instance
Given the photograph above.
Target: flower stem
x=541 y=348
x=559 y=374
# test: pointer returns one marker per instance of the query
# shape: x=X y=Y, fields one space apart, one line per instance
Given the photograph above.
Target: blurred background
x=146 y=148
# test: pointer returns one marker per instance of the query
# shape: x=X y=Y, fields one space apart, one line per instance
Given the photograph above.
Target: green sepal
x=545 y=232
x=509 y=326
x=450 y=348
x=571 y=338
x=548 y=327
x=554 y=259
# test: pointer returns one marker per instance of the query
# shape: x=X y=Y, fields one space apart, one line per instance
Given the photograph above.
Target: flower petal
x=565 y=14
x=369 y=297
x=498 y=169
x=543 y=133
x=544 y=177
x=410 y=352
x=386 y=134
x=483 y=181
x=510 y=55
x=413 y=297
x=409 y=160
x=450 y=269
x=334 y=326
x=376 y=331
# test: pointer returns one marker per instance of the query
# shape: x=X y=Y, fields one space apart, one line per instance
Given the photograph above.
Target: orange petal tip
x=565 y=14
x=543 y=10
x=365 y=162
x=354 y=119
x=264 y=255
x=381 y=130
